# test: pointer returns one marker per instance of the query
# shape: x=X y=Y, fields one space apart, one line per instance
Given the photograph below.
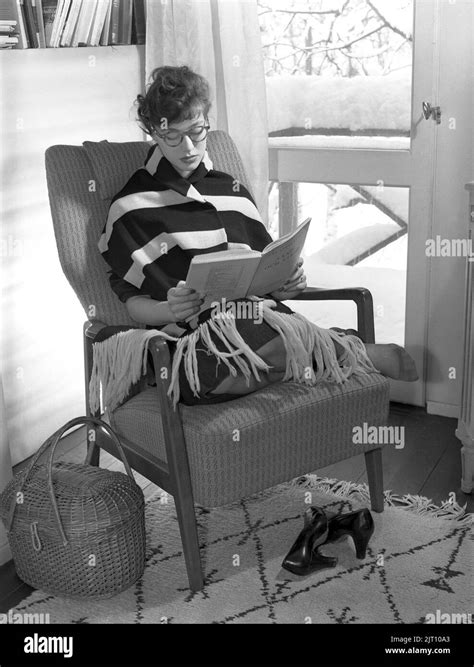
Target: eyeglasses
x=173 y=138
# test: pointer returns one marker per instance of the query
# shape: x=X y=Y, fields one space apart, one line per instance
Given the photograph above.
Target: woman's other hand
x=295 y=284
x=183 y=301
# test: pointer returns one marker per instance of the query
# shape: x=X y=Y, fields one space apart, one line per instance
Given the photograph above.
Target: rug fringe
x=448 y=509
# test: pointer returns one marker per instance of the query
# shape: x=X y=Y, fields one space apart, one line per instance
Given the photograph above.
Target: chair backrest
x=81 y=181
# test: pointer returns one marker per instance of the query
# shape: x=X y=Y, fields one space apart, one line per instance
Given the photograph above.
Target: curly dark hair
x=175 y=94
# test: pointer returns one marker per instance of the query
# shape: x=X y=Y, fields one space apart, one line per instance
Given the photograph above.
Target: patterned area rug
x=419 y=562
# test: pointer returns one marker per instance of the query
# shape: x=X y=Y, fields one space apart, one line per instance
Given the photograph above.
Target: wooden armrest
x=360 y=295
x=92 y=328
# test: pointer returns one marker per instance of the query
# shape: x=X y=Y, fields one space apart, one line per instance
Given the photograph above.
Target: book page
x=227 y=278
x=279 y=260
x=287 y=237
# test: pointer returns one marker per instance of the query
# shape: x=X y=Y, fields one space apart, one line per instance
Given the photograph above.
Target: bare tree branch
x=388 y=65
x=292 y=48
x=337 y=47
x=387 y=22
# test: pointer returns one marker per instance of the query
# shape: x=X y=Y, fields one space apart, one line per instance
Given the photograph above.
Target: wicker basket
x=75 y=530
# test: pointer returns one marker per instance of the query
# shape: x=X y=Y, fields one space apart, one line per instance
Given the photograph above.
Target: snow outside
x=338 y=75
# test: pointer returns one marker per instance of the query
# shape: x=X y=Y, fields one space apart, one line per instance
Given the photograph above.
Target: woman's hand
x=183 y=301
x=295 y=284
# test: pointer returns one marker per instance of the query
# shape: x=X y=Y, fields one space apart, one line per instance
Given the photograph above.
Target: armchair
x=285 y=430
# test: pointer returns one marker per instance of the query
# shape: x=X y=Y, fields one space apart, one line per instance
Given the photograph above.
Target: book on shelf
x=32 y=27
x=84 y=23
x=38 y=9
x=8 y=27
x=70 y=23
x=104 y=37
x=7 y=42
x=11 y=15
x=59 y=21
x=125 y=22
x=49 y=8
x=138 y=22
x=23 y=33
x=240 y=272
x=98 y=23
x=114 y=23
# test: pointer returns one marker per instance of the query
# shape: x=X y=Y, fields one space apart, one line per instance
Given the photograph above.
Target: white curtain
x=219 y=39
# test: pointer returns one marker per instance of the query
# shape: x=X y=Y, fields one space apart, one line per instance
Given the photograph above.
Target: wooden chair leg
x=189 y=537
x=93 y=446
x=373 y=464
x=93 y=454
x=178 y=464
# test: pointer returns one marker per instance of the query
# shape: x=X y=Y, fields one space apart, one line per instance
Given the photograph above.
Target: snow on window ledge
x=312 y=141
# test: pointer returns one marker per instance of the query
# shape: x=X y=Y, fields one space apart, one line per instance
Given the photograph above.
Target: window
x=339 y=76
x=338 y=72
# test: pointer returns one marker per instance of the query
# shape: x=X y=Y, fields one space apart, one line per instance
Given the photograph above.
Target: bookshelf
x=36 y=24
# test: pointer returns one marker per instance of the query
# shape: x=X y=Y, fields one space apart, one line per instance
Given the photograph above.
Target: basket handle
x=52 y=442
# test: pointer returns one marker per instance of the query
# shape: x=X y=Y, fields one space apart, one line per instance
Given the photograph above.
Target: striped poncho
x=156 y=224
x=159 y=221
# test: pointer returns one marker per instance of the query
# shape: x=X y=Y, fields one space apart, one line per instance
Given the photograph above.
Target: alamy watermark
x=44 y=644
x=379 y=435
x=242 y=310
x=15 y=617
x=439 y=247
x=445 y=617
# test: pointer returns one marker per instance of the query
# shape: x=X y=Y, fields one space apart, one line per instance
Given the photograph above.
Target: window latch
x=431 y=112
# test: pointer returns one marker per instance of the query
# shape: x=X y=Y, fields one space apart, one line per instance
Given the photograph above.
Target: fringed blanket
x=311 y=356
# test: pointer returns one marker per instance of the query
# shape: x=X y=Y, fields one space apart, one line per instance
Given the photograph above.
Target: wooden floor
x=429 y=465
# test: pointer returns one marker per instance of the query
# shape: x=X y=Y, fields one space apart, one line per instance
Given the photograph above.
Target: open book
x=240 y=272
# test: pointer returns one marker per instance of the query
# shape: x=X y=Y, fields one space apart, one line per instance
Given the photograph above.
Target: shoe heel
x=359 y=525
x=360 y=543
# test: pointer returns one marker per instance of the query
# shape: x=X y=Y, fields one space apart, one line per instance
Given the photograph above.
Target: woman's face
x=185 y=157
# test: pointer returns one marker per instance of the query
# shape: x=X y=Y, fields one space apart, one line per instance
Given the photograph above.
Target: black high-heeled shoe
x=303 y=557
x=359 y=525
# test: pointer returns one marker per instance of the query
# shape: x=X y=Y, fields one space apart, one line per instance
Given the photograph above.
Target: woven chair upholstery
x=284 y=430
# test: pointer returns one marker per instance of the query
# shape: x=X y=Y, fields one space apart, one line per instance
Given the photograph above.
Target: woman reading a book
x=178 y=206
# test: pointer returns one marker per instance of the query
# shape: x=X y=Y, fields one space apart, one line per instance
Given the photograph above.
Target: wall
x=5 y=475
x=455 y=166
x=49 y=96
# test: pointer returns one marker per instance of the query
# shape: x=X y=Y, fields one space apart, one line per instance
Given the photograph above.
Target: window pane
x=357 y=237
x=338 y=72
